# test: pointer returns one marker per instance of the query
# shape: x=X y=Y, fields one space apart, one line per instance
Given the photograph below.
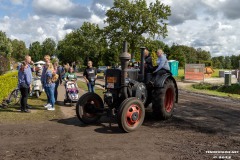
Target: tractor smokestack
x=142 y=65
x=124 y=58
x=124 y=46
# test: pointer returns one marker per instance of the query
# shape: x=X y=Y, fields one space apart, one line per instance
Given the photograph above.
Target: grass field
x=38 y=113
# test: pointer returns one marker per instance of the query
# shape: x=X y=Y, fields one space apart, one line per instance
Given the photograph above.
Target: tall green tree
x=19 y=50
x=177 y=53
x=203 y=55
x=35 y=51
x=85 y=43
x=216 y=62
x=69 y=49
x=5 y=44
x=227 y=62
x=129 y=20
x=48 y=47
x=93 y=43
x=235 y=60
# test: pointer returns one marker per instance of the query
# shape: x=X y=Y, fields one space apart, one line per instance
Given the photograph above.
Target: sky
x=212 y=25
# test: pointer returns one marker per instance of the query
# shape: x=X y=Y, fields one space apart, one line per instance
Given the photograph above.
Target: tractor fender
x=160 y=80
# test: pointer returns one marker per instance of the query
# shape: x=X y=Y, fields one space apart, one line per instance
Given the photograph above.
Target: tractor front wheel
x=131 y=114
x=87 y=107
x=163 y=100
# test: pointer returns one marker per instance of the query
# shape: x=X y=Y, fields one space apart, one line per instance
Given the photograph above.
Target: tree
x=19 y=50
x=235 y=61
x=48 y=47
x=35 y=51
x=227 y=63
x=177 y=53
x=85 y=43
x=5 y=44
x=203 y=55
x=130 y=20
x=216 y=63
x=93 y=43
x=69 y=49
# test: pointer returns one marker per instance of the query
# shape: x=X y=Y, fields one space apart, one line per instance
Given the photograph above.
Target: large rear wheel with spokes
x=88 y=108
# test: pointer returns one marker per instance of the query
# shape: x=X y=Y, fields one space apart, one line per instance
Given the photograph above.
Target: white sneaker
x=47 y=105
x=51 y=109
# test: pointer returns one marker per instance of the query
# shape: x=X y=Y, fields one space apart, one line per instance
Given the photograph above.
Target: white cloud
x=6 y=18
x=97 y=20
x=61 y=8
x=212 y=25
x=56 y=5
x=36 y=17
x=40 y=30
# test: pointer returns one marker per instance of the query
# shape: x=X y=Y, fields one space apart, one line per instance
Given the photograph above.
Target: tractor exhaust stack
x=124 y=58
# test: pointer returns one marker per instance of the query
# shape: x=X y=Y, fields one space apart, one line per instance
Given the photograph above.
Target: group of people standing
x=49 y=78
x=52 y=76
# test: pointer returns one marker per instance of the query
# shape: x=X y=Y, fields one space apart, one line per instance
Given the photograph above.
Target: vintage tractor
x=128 y=92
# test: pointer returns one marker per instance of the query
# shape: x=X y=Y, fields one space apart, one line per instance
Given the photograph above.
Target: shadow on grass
x=9 y=110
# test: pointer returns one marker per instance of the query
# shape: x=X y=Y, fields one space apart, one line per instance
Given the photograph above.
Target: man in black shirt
x=90 y=75
x=148 y=62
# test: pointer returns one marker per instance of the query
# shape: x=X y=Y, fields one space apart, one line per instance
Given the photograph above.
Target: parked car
x=101 y=69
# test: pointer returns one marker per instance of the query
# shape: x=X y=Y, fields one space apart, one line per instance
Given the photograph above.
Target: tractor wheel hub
x=135 y=116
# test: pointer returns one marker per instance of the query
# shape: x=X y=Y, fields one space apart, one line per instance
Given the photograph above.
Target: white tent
x=40 y=62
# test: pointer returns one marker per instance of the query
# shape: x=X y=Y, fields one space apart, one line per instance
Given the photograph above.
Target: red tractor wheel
x=86 y=107
x=163 y=100
x=131 y=114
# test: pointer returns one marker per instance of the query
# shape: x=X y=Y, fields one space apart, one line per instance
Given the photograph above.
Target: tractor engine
x=113 y=96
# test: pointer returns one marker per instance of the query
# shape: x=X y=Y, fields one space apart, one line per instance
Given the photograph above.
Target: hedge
x=7 y=83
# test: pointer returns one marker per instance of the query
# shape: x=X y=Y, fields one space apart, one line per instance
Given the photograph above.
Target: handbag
x=23 y=85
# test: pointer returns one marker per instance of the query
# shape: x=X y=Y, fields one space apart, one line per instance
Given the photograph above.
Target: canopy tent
x=40 y=62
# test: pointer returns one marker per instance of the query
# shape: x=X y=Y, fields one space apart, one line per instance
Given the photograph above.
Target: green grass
x=180 y=76
x=101 y=74
x=83 y=86
x=216 y=72
x=38 y=112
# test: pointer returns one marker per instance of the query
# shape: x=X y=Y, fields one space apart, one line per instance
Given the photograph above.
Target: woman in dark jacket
x=24 y=81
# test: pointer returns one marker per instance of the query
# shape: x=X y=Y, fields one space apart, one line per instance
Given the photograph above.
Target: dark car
x=101 y=69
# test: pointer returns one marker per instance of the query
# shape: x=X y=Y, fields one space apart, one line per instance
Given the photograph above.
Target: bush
x=233 y=89
x=203 y=86
x=7 y=83
x=4 y=64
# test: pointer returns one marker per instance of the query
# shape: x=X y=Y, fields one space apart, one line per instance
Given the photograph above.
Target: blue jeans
x=90 y=87
x=50 y=94
x=45 y=88
x=56 y=91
